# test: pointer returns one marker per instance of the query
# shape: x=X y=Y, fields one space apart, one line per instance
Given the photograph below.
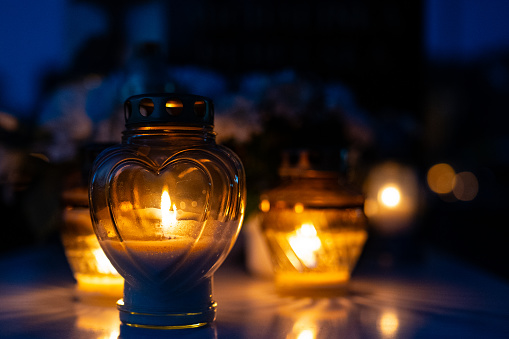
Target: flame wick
x=168 y=213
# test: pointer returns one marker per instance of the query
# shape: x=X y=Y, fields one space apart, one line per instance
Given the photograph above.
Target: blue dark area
x=414 y=82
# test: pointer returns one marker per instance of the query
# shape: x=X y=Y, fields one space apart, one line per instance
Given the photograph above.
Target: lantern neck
x=176 y=134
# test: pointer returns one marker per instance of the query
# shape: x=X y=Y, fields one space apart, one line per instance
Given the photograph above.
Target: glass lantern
x=315 y=228
x=94 y=274
x=167 y=205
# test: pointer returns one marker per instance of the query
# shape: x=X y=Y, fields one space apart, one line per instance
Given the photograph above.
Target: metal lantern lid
x=313 y=178
x=168 y=108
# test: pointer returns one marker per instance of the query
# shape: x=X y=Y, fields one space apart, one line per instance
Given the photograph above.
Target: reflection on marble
x=448 y=301
x=207 y=332
x=100 y=319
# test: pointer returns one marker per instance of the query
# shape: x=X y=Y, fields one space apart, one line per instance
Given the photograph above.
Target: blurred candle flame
x=390 y=196
x=103 y=263
x=304 y=328
x=306 y=334
x=305 y=243
x=388 y=324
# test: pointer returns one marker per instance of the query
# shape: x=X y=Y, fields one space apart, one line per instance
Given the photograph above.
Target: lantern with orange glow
x=315 y=229
x=95 y=275
x=167 y=205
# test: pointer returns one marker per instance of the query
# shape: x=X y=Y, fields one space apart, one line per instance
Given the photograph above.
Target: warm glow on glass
x=94 y=274
x=371 y=207
x=168 y=214
x=126 y=206
x=305 y=243
x=388 y=324
x=102 y=321
x=103 y=263
x=466 y=186
x=298 y=208
x=441 y=178
x=174 y=103
x=265 y=205
x=113 y=334
x=304 y=328
x=390 y=196
x=167 y=205
x=306 y=334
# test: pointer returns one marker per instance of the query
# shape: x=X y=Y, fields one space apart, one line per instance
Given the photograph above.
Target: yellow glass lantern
x=95 y=275
x=315 y=228
x=167 y=206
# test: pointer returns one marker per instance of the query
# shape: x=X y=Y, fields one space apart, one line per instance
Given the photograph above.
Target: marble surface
x=438 y=297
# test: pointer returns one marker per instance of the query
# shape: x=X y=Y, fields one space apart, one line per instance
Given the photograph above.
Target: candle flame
x=305 y=243
x=168 y=213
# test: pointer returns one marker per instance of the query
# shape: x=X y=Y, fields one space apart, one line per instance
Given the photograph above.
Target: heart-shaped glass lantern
x=167 y=205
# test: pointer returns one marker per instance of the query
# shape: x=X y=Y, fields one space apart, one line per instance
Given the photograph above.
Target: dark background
x=430 y=79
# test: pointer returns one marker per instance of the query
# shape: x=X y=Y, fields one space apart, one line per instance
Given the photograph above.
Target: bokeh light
x=388 y=324
x=265 y=205
x=390 y=196
x=441 y=178
x=298 y=208
x=466 y=186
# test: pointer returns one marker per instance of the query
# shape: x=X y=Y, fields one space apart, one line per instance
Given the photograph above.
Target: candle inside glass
x=171 y=257
x=170 y=271
x=314 y=250
x=167 y=246
x=325 y=261
x=91 y=268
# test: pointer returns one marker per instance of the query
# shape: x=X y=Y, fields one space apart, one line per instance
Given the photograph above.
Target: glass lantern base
x=146 y=309
x=312 y=283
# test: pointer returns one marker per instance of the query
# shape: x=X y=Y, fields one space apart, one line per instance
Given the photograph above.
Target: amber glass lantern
x=315 y=228
x=167 y=205
x=94 y=274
